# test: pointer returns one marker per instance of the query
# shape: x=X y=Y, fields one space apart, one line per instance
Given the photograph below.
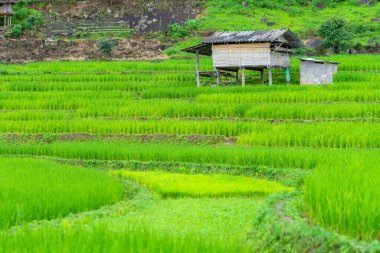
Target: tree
x=336 y=35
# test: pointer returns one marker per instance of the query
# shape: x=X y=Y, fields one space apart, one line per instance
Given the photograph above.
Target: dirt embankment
x=27 y=50
x=139 y=16
x=63 y=37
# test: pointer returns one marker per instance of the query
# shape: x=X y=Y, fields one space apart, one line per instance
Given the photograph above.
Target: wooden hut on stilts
x=247 y=50
x=6 y=11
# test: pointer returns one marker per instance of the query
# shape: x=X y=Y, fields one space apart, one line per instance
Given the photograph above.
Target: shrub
x=177 y=31
x=16 y=31
x=28 y=18
x=106 y=46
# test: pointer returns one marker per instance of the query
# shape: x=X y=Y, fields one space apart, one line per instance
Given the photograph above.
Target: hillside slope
x=303 y=19
x=151 y=26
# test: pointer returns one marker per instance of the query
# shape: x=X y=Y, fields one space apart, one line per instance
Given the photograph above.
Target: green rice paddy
x=33 y=189
x=178 y=185
x=132 y=157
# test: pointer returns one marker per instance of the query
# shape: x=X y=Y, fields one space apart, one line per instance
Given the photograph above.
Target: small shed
x=6 y=11
x=247 y=50
x=317 y=72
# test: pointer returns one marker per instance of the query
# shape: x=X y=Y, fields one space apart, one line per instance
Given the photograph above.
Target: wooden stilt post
x=243 y=76
x=218 y=76
x=197 y=70
x=237 y=77
x=287 y=75
x=270 y=76
x=262 y=76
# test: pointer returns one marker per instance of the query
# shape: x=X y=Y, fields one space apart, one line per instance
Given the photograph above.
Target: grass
x=303 y=20
x=143 y=224
x=148 y=116
x=202 y=154
x=169 y=185
x=37 y=189
x=361 y=134
x=324 y=134
x=344 y=196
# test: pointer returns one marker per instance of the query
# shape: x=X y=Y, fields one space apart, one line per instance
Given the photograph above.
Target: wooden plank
x=243 y=77
x=270 y=76
x=197 y=69
x=262 y=76
x=218 y=76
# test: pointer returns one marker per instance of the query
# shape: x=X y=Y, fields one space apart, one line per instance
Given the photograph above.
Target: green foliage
x=318 y=134
x=120 y=151
x=36 y=189
x=326 y=134
x=302 y=17
x=26 y=17
x=344 y=195
x=177 y=31
x=142 y=224
x=280 y=226
x=179 y=185
x=336 y=35
x=149 y=116
x=16 y=31
x=278 y=4
x=106 y=46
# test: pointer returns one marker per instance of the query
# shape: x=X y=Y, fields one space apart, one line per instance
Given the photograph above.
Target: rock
x=206 y=33
x=320 y=5
x=313 y=43
x=352 y=51
x=330 y=51
x=245 y=4
x=375 y=20
x=271 y=23
x=150 y=7
x=363 y=2
x=372 y=41
x=264 y=19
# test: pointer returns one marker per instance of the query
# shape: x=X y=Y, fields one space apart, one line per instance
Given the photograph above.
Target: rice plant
x=36 y=189
x=179 y=185
x=344 y=195
x=276 y=157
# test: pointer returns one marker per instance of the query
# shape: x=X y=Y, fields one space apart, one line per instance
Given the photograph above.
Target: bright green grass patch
x=344 y=195
x=36 y=189
x=143 y=224
x=230 y=15
x=180 y=185
x=100 y=239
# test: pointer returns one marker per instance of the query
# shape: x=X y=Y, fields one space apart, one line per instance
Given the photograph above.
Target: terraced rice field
x=132 y=157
